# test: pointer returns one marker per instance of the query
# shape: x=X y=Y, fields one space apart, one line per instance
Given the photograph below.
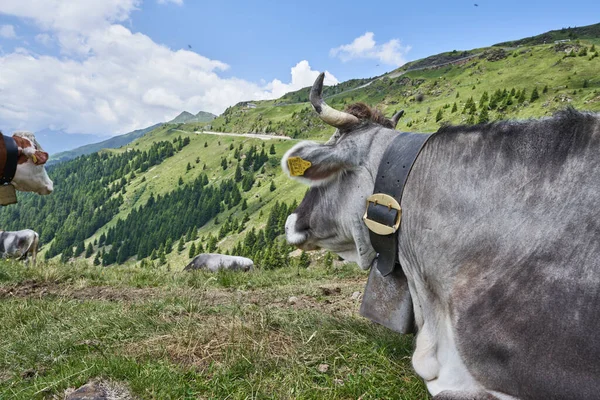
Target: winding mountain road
x=248 y=135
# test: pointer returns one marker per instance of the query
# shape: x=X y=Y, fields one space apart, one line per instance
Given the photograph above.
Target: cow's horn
x=331 y=116
x=396 y=118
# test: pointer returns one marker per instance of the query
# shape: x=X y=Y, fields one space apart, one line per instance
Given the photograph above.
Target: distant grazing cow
x=215 y=262
x=19 y=245
x=22 y=162
x=498 y=244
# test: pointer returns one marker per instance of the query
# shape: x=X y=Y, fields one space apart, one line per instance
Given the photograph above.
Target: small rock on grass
x=99 y=390
x=292 y=300
x=355 y=295
x=89 y=391
x=322 y=368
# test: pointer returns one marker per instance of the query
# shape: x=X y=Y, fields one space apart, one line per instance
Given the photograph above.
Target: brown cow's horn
x=396 y=118
x=331 y=116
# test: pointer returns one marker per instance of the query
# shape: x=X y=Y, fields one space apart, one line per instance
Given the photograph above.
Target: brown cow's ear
x=315 y=164
x=39 y=157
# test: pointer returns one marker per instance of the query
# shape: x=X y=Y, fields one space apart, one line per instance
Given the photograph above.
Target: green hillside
x=179 y=186
x=561 y=73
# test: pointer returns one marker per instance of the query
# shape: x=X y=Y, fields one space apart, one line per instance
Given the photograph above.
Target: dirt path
x=337 y=296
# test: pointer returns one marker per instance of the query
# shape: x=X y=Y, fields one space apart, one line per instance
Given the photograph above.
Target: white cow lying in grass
x=215 y=262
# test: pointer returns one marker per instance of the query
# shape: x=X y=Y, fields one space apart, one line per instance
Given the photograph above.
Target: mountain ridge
x=122 y=140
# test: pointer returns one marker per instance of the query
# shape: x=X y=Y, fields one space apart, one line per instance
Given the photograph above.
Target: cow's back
x=502 y=226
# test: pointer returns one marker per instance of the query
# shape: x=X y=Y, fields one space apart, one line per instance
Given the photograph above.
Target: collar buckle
x=383 y=214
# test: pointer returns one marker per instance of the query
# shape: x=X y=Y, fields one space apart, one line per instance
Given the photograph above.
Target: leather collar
x=392 y=174
x=9 y=158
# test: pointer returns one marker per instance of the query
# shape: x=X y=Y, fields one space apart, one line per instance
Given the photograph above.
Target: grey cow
x=499 y=241
x=213 y=262
x=19 y=245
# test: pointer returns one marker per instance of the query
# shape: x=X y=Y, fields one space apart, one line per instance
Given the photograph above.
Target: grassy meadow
x=175 y=335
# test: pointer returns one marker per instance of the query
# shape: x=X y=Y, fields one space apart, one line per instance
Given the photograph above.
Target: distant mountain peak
x=186 y=117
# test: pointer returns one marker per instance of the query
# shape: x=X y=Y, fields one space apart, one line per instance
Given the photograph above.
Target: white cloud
x=364 y=46
x=7 y=32
x=178 y=2
x=70 y=15
x=302 y=76
x=109 y=80
x=44 y=39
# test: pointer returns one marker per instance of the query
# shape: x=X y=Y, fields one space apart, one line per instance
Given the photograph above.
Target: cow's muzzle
x=295 y=236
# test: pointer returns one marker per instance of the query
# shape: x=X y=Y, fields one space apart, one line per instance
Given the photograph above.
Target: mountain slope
x=575 y=33
x=112 y=143
x=561 y=74
x=55 y=142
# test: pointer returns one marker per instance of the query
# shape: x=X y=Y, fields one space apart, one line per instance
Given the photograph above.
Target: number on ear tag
x=297 y=166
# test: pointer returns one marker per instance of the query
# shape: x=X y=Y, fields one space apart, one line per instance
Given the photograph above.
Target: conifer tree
x=483 y=116
x=238 y=173
x=97 y=259
x=439 y=116
x=180 y=246
x=89 y=250
x=272 y=187
x=454 y=108
x=534 y=95
x=484 y=99
x=522 y=95
x=79 y=249
x=272 y=149
x=192 y=252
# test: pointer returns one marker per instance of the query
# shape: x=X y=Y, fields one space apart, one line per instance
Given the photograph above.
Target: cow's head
x=31 y=175
x=341 y=175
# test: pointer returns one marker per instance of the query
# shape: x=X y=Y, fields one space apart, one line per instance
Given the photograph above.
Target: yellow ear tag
x=34 y=158
x=297 y=166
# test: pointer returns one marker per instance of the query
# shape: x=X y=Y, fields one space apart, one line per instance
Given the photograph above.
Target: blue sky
x=263 y=39
x=112 y=66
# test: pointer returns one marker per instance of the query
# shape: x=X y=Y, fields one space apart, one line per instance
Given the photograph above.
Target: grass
x=196 y=335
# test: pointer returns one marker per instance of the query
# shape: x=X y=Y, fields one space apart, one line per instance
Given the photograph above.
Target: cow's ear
x=38 y=157
x=315 y=164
